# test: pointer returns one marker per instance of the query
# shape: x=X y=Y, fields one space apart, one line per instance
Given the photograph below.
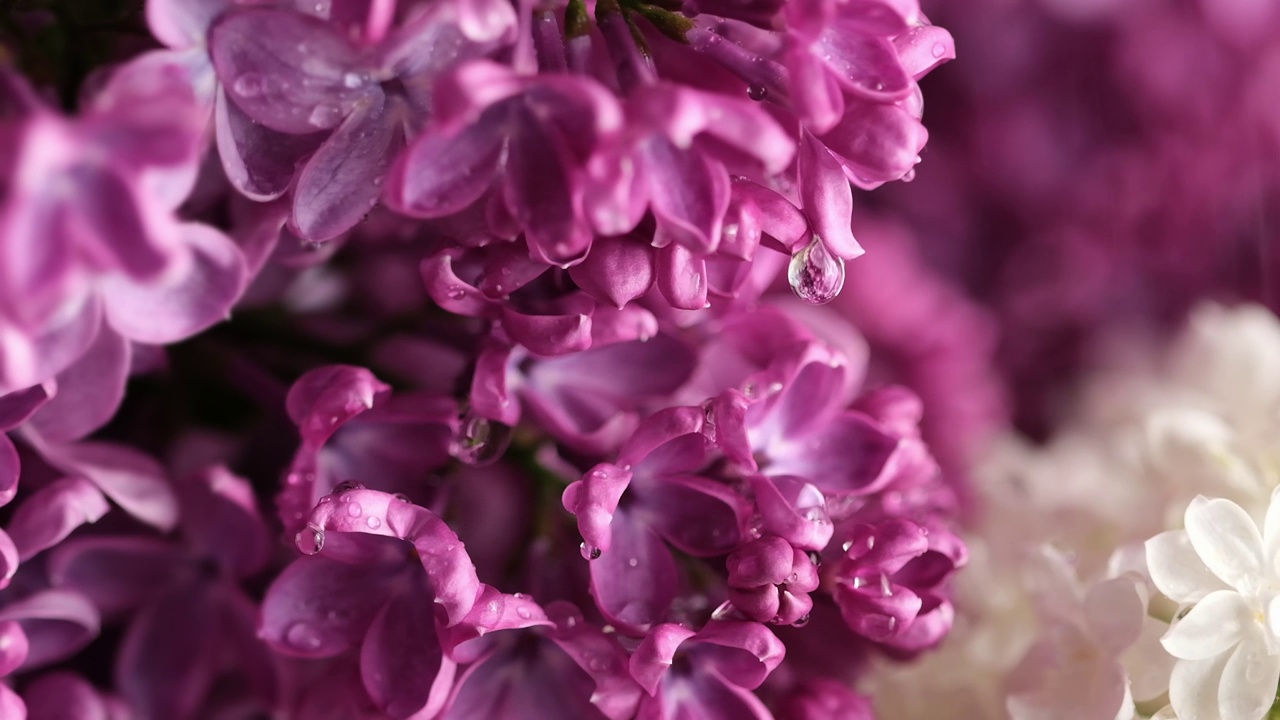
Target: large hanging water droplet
x=310 y=539
x=815 y=274
x=757 y=92
x=479 y=441
x=346 y=486
x=590 y=552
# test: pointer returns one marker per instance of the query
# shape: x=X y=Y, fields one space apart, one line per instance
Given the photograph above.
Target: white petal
x=1176 y=569
x=1114 y=610
x=1215 y=624
x=1193 y=688
x=1249 y=680
x=1148 y=663
x=1227 y=540
x=1271 y=532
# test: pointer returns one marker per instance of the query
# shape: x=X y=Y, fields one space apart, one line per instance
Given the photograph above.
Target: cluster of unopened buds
x=504 y=278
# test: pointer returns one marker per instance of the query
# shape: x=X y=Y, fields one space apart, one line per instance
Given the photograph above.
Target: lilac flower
x=708 y=673
x=825 y=699
x=407 y=562
x=161 y=585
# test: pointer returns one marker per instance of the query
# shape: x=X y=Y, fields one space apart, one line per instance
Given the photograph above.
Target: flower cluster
x=433 y=359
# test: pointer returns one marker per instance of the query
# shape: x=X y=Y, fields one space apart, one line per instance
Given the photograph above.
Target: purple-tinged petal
x=441 y=174
x=450 y=291
x=879 y=143
x=116 y=573
x=700 y=517
x=259 y=162
x=653 y=657
x=130 y=479
x=491 y=396
x=10 y=470
x=825 y=699
x=221 y=521
x=818 y=97
x=865 y=65
x=494 y=610
x=182 y=23
x=53 y=512
x=57 y=623
x=11 y=704
x=880 y=17
x=526 y=680
x=343 y=179
x=706 y=697
x=635 y=582
x=764 y=561
x=401 y=662
x=8 y=560
x=923 y=48
x=594 y=500
x=827 y=198
x=89 y=392
x=601 y=656
x=13 y=646
x=741 y=124
x=861 y=465
x=60 y=695
x=548 y=334
x=726 y=424
x=682 y=277
x=743 y=653
x=16 y=407
x=793 y=509
x=689 y=193
x=541 y=192
x=310 y=609
x=324 y=399
x=291 y=72
x=51 y=351
x=180 y=307
x=616 y=271
x=611 y=325
x=617 y=195
x=451 y=574
x=663 y=428
x=168 y=656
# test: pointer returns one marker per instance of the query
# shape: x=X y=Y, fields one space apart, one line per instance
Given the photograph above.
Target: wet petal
x=441 y=174
x=10 y=470
x=1249 y=679
x=653 y=657
x=401 y=661
x=744 y=653
x=259 y=162
x=689 y=193
x=827 y=197
x=635 y=582
x=864 y=64
x=324 y=399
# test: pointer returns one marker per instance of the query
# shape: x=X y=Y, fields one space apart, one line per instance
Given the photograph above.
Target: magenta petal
x=706 y=697
x=513 y=684
x=8 y=559
x=182 y=23
x=594 y=500
x=866 y=65
x=89 y=392
x=817 y=95
x=635 y=582
x=13 y=646
x=494 y=610
x=16 y=407
x=10 y=470
x=923 y=48
x=450 y=291
x=11 y=704
x=662 y=428
x=880 y=142
x=682 y=277
x=310 y=611
x=699 y=516
x=744 y=653
x=540 y=191
x=54 y=512
x=616 y=271
x=57 y=623
x=221 y=521
x=60 y=695
x=795 y=510
x=259 y=162
x=342 y=181
x=859 y=467
x=491 y=396
x=548 y=334
x=827 y=198
x=132 y=480
x=291 y=72
x=688 y=191
x=166 y=673
x=441 y=174
x=116 y=573
x=652 y=658
x=401 y=660
x=51 y=351
x=177 y=308
x=324 y=399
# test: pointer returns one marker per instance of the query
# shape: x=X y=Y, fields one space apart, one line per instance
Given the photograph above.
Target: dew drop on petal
x=354 y=509
x=402 y=497
x=633 y=562
x=479 y=441
x=816 y=276
x=589 y=552
x=801 y=621
x=524 y=613
x=310 y=539
x=938 y=50
x=886 y=589
x=373 y=523
x=757 y=92
x=347 y=486
x=302 y=636
x=248 y=85
x=352 y=80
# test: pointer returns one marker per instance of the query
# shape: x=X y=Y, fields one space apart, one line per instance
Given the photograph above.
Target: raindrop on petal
x=248 y=85
x=479 y=441
x=347 y=486
x=302 y=636
x=757 y=92
x=589 y=552
x=815 y=274
x=310 y=539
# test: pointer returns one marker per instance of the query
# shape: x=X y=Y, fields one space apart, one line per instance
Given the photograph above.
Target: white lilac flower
x=1227 y=571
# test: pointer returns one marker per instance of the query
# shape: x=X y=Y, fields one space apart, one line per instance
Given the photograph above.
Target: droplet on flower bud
x=248 y=85
x=815 y=274
x=801 y=621
x=757 y=92
x=302 y=636
x=479 y=441
x=310 y=539
x=589 y=552
x=709 y=420
x=347 y=486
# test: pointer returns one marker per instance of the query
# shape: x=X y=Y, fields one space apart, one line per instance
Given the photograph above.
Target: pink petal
x=130 y=479
x=548 y=334
x=53 y=512
x=221 y=521
x=57 y=623
x=616 y=271
x=652 y=658
x=89 y=392
x=401 y=660
x=827 y=198
x=182 y=23
x=866 y=65
x=324 y=399
x=259 y=162
x=8 y=559
x=16 y=407
x=291 y=72
x=164 y=672
x=10 y=470
x=13 y=646
x=441 y=174
x=180 y=307
x=688 y=191
x=116 y=573
x=635 y=582
x=699 y=516
x=744 y=653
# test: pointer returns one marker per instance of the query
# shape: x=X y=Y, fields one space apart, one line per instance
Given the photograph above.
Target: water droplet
x=597 y=663
x=871 y=542
x=249 y=85
x=757 y=92
x=373 y=523
x=346 y=486
x=938 y=50
x=633 y=562
x=709 y=420
x=908 y=176
x=815 y=274
x=877 y=86
x=879 y=627
x=325 y=116
x=589 y=552
x=310 y=539
x=302 y=636
x=354 y=510
x=352 y=80
x=524 y=613
x=847 y=544
x=479 y=441
x=402 y=497
x=457 y=293
x=858 y=583
x=801 y=621
x=886 y=589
